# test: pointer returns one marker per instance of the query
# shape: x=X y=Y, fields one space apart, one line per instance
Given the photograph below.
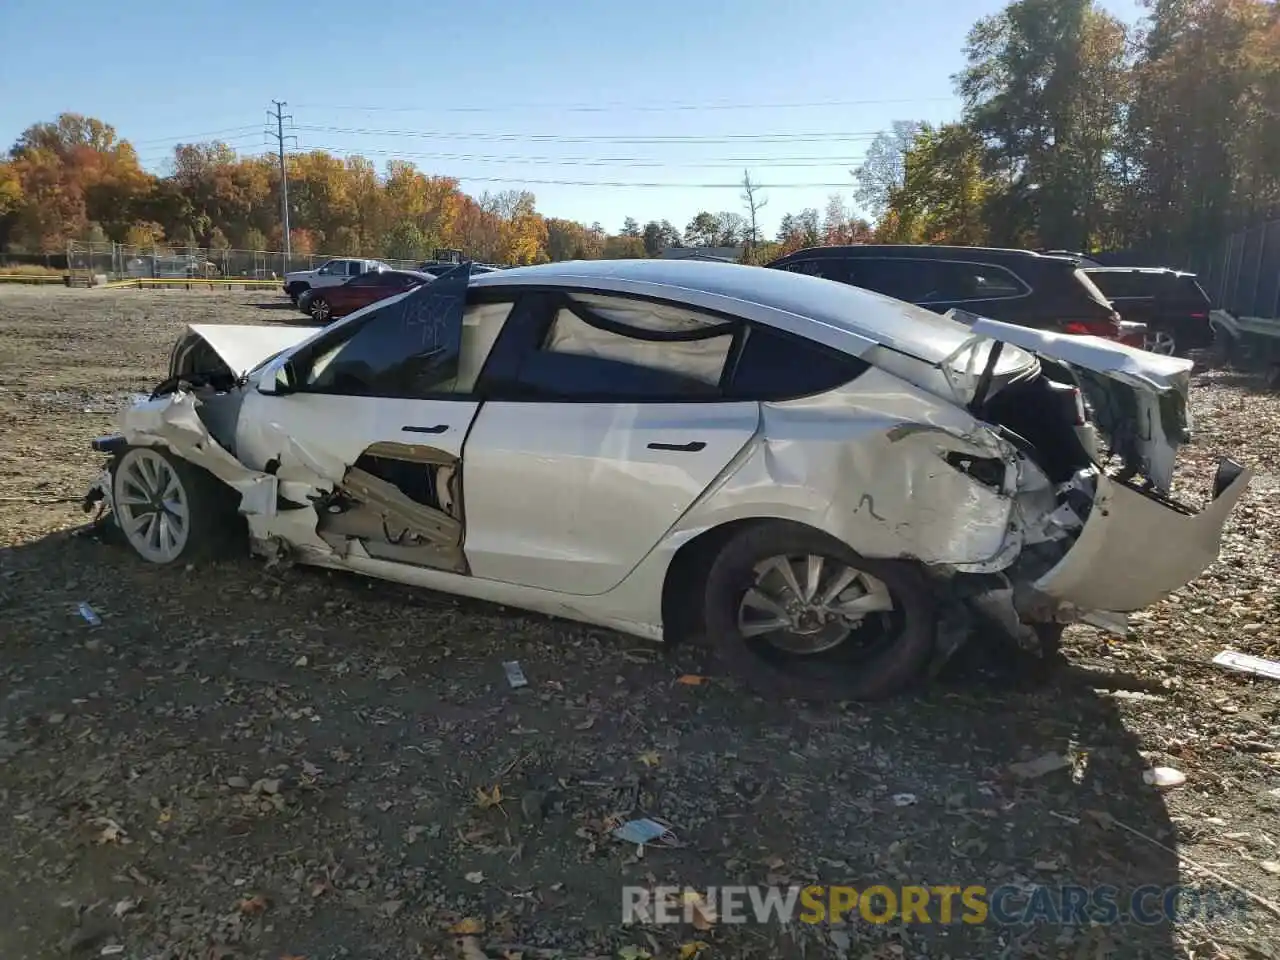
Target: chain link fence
x=119 y=261
x=1242 y=275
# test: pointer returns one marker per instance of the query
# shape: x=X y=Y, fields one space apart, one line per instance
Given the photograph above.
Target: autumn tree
x=68 y=174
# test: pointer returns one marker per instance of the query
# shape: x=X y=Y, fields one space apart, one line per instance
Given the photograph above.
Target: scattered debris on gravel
x=236 y=762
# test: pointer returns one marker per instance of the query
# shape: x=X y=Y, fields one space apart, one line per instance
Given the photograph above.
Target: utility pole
x=280 y=117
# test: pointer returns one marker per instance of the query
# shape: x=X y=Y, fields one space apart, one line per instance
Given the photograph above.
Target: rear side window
x=1189 y=289
x=1122 y=285
x=961 y=280
x=908 y=280
x=775 y=366
x=810 y=268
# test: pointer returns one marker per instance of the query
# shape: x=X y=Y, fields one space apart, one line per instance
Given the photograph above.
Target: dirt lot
x=242 y=764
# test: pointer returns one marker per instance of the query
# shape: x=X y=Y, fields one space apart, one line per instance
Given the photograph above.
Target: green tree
x=703 y=230
x=1044 y=87
x=1204 y=125
x=944 y=193
x=883 y=168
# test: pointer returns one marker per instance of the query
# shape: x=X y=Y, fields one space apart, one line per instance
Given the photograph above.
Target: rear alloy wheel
x=1160 y=341
x=795 y=612
x=170 y=510
x=320 y=310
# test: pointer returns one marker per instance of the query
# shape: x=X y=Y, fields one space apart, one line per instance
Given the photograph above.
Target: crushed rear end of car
x=1100 y=534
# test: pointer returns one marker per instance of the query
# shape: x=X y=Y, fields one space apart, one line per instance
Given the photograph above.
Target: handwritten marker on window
x=90 y=617
x=515 y=676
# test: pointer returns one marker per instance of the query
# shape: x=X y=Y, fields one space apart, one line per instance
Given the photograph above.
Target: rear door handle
x=692 y=447
x=438 y=428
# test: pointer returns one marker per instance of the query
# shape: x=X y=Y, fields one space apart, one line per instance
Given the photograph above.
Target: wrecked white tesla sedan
x=829 y=485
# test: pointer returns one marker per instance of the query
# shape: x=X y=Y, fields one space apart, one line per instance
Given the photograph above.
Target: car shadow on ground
x=350 y=752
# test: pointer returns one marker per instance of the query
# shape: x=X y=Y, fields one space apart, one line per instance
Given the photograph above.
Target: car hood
x=240 y=347
x=1140 y=400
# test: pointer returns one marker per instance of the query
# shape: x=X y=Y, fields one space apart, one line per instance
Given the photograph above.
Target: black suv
x=1015 y=286
x=1171 y=303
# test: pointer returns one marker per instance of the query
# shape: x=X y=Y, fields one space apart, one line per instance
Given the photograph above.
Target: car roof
x=847 y=318
x=917 y=250
x=1162 y=270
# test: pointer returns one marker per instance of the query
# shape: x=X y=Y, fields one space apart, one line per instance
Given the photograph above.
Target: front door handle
x=438 y=428
x=692 y=447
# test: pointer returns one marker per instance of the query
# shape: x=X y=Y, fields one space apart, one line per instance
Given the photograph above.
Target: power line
x=242 y=140
x=188 y=137
x=622 y=106
x=562 y=138
x=721 y=163
x=736 y=185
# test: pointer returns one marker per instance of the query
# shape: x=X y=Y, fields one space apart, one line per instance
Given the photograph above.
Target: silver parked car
x=811 y=476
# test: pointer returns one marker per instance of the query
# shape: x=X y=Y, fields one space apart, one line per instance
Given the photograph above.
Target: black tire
x=215 y=527
x=818 y=677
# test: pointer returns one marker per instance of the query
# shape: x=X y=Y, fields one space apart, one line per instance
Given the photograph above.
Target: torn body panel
x=398 y=503
x=869 y=464
x=1136 y=548
x=1140 y=400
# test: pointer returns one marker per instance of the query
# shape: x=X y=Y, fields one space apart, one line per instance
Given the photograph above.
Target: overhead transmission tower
x=279 y=116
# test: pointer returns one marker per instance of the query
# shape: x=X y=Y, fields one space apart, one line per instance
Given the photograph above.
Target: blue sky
x=513 y=92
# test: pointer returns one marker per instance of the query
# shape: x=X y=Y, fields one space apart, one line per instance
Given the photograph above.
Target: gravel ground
x=243 y=764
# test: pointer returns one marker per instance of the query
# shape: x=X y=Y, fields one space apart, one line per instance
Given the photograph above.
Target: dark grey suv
x=1015 y=286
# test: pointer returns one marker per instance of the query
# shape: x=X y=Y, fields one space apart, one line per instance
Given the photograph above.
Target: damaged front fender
x=173 y=422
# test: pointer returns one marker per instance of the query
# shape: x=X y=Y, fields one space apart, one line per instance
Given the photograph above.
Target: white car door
x=596 y=439
x=368 y=412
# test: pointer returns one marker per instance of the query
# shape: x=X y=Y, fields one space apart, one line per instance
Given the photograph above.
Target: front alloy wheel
x=152 y=505
x=320 y=310
x=170 y=510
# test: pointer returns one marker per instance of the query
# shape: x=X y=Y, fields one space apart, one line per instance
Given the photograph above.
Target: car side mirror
x=279 y=379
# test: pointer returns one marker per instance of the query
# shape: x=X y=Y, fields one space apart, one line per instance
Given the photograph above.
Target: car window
x=776 y=366
x=409 y=347
x=902 y=279
x=329 y=267
x=1190 y=289
x=365 y=280
x=963 y=280
x=355 y=268
x=809 y=267
x=605 y=348
x=1121 y=284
